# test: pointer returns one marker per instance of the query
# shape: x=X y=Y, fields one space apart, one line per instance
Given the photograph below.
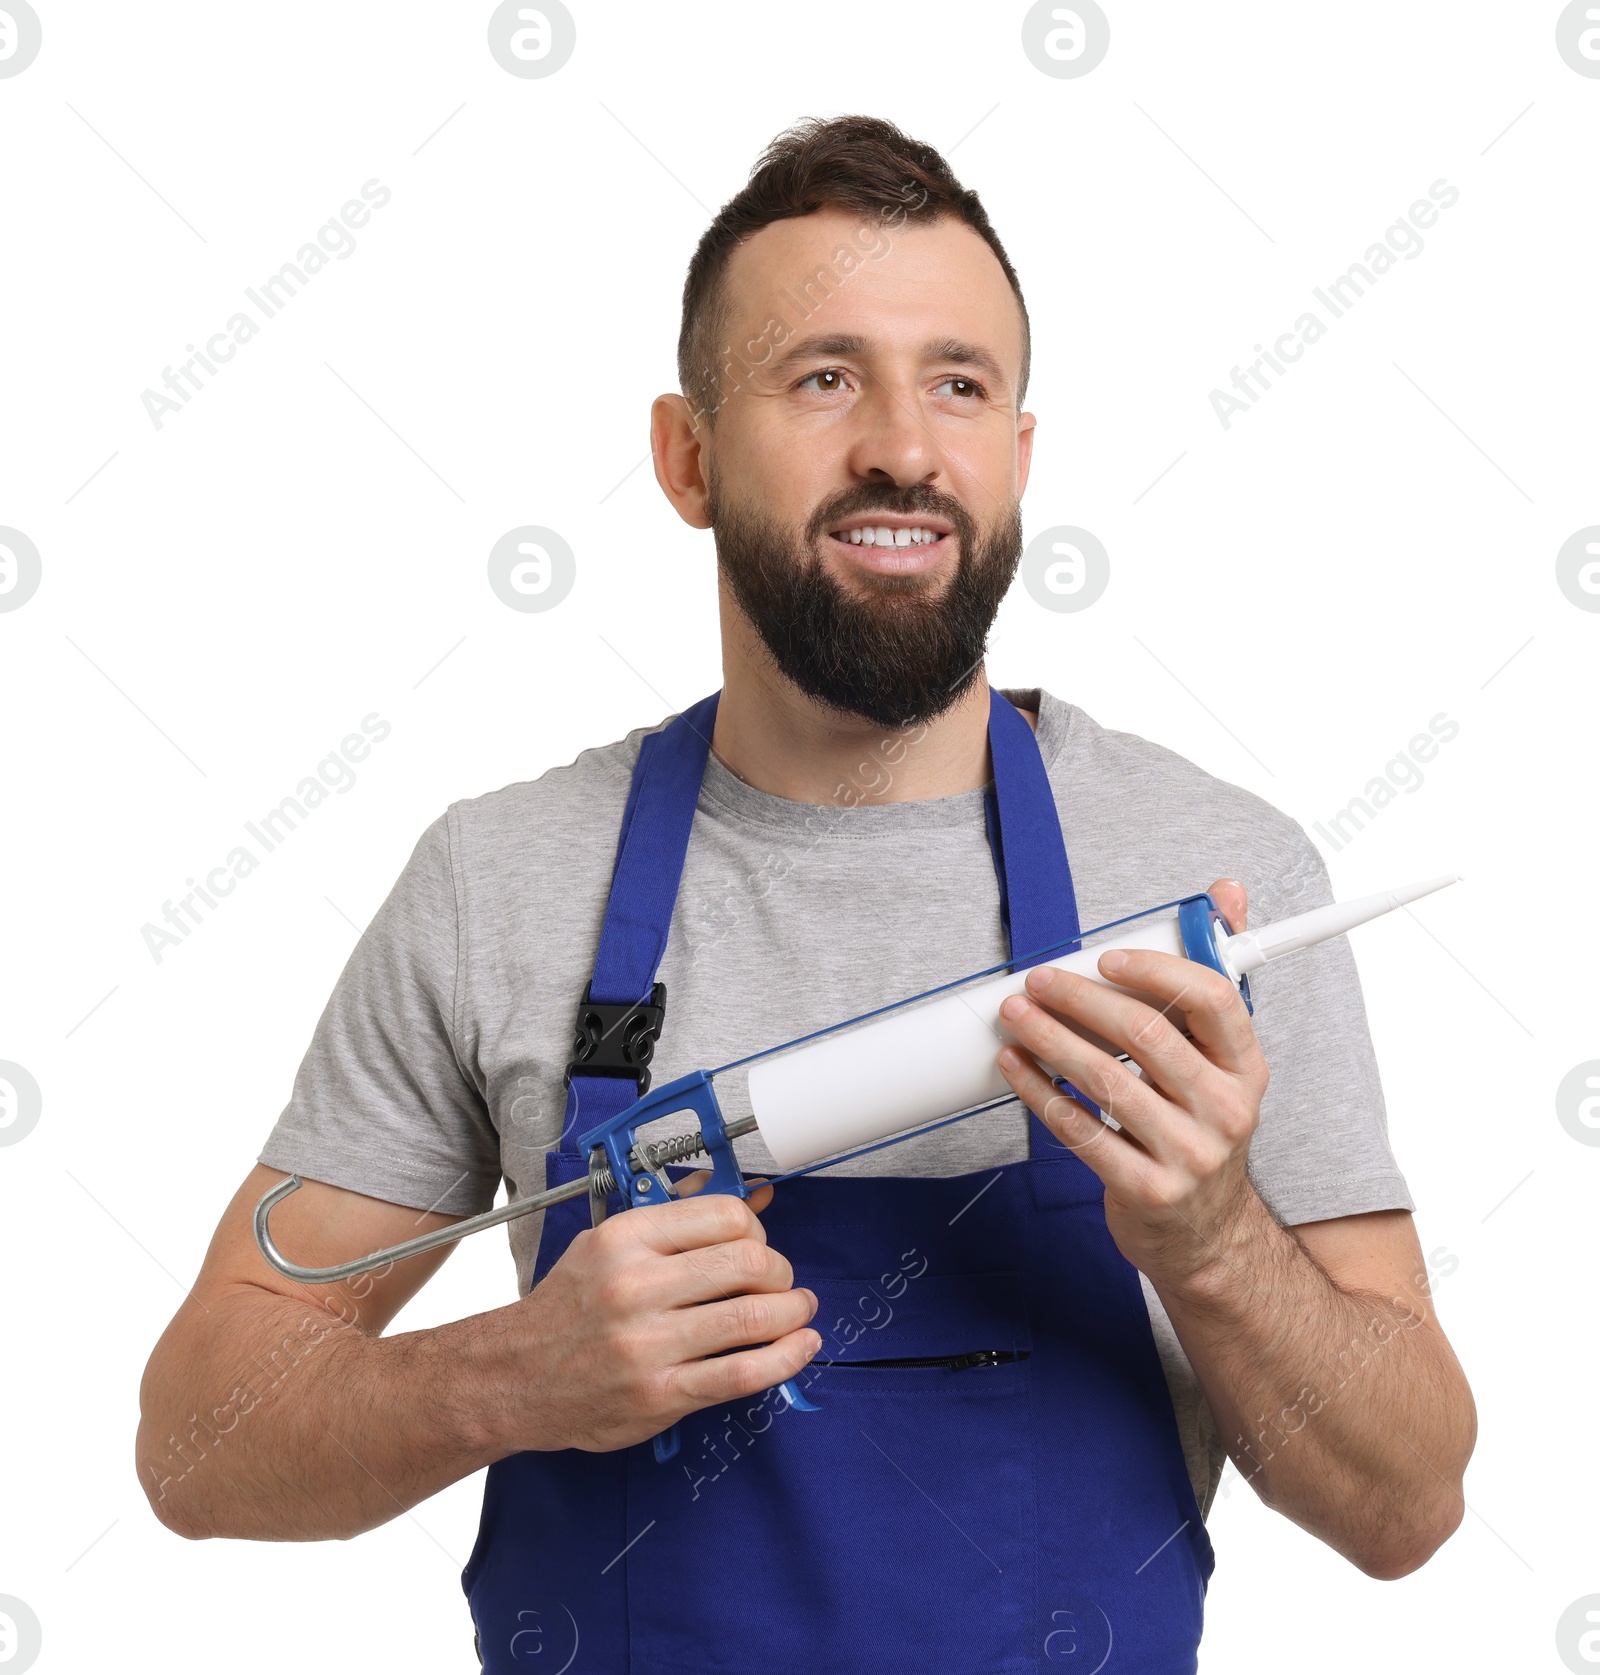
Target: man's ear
x=1025 y=424
x=675 y=447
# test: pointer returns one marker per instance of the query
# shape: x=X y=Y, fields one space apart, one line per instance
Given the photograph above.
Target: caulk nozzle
x=1250 y=950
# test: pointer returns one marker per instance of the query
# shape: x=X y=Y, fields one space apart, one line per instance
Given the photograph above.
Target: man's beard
x=887 y=648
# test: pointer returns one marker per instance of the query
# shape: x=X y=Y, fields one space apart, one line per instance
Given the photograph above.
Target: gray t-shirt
x=436 y=1067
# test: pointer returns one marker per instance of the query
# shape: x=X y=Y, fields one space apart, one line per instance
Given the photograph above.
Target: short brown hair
x=859 y=163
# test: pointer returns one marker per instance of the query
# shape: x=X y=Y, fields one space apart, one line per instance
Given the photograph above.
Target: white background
x=225 y=597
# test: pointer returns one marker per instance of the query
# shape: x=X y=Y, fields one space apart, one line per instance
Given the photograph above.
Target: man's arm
x=1336 y=1392
x=1333 y=1387
x=277 y=1411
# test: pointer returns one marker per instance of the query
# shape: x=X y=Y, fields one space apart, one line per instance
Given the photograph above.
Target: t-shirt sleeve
x=1322 y=1149
x=381 y=1103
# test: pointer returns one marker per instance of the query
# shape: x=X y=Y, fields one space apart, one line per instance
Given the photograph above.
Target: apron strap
x=1038 y=905
x=644 y=886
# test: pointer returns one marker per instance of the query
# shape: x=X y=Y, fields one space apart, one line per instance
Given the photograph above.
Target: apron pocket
x=892 y=1529
x=917 y=1315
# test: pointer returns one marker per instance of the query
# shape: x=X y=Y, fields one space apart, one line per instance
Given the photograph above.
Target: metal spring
x=656 y=1153
x=652 y=1155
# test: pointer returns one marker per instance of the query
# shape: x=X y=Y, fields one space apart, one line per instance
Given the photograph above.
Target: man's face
x=867 y=456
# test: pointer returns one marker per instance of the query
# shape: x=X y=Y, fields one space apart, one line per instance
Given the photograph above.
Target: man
x=1029 y=1339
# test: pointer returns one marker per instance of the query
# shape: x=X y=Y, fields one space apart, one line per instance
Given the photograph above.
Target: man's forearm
x=277 y=1420
x=1347 y=1412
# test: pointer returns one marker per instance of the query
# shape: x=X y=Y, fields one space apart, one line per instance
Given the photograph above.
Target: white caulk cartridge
x=935 y=1054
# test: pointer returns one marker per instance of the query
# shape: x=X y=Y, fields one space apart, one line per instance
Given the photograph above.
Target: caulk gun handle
x=790 y=1391
x=618 y=1136
x=665 y=1444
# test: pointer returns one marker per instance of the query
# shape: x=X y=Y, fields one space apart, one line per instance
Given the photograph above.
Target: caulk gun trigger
x=790 y=1391
x=666 y=1444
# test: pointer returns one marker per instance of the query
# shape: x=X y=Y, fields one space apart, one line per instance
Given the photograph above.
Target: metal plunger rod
x=645 y=1156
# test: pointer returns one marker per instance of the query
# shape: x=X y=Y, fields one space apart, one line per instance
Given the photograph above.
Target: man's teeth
x=883 y=536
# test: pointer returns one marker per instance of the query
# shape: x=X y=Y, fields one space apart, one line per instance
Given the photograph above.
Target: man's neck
x=780 y=741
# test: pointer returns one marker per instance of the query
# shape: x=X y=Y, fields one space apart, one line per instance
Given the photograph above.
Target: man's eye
x=963 y=387
x=830 y=381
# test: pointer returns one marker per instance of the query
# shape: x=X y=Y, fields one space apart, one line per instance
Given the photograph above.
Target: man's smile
x=894 y=543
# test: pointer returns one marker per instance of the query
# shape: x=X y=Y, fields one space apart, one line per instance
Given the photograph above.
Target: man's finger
x=727 y=1378
x=1110 y=1084
x=712 y=1271
x=1233 y=900
x=734 y=1322
x=706 y=1218
x=1208 y=1003
x=1151 y=1037
x=1107 y=1152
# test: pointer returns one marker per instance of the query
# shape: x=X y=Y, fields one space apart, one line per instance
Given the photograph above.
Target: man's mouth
x=892 y=530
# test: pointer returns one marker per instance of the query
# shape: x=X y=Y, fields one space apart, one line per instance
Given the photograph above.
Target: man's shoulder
x=1150 y=794
x=542 y=847
x=586 y=795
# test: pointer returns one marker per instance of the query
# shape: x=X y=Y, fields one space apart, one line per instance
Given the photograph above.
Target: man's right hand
x=278 y=1411
x=612 y=1345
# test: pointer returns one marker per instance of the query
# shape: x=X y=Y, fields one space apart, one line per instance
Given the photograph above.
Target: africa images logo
x=20 y=569
x=531 y=40
x=20 y=38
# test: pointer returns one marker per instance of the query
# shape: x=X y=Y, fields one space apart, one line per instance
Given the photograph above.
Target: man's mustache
x=912 y=500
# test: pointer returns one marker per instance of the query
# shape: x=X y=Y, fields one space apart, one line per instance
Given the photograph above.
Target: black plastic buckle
x=617 y=1040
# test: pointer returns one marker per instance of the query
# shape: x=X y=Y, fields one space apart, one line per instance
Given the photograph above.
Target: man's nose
x=891 y=441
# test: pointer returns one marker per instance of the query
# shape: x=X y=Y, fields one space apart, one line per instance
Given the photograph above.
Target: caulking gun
x=869 y=1081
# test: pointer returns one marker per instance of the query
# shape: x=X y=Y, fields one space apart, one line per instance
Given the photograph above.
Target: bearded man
x=1029 y=1339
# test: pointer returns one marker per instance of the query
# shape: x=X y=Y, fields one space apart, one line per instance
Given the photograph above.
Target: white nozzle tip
x=1415 y=892
x=1250 y=950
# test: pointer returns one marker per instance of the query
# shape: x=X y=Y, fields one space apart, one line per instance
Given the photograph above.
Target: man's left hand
x=1178 y=1199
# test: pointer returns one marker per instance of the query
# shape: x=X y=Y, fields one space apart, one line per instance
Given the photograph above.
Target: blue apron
x=994 y=1481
